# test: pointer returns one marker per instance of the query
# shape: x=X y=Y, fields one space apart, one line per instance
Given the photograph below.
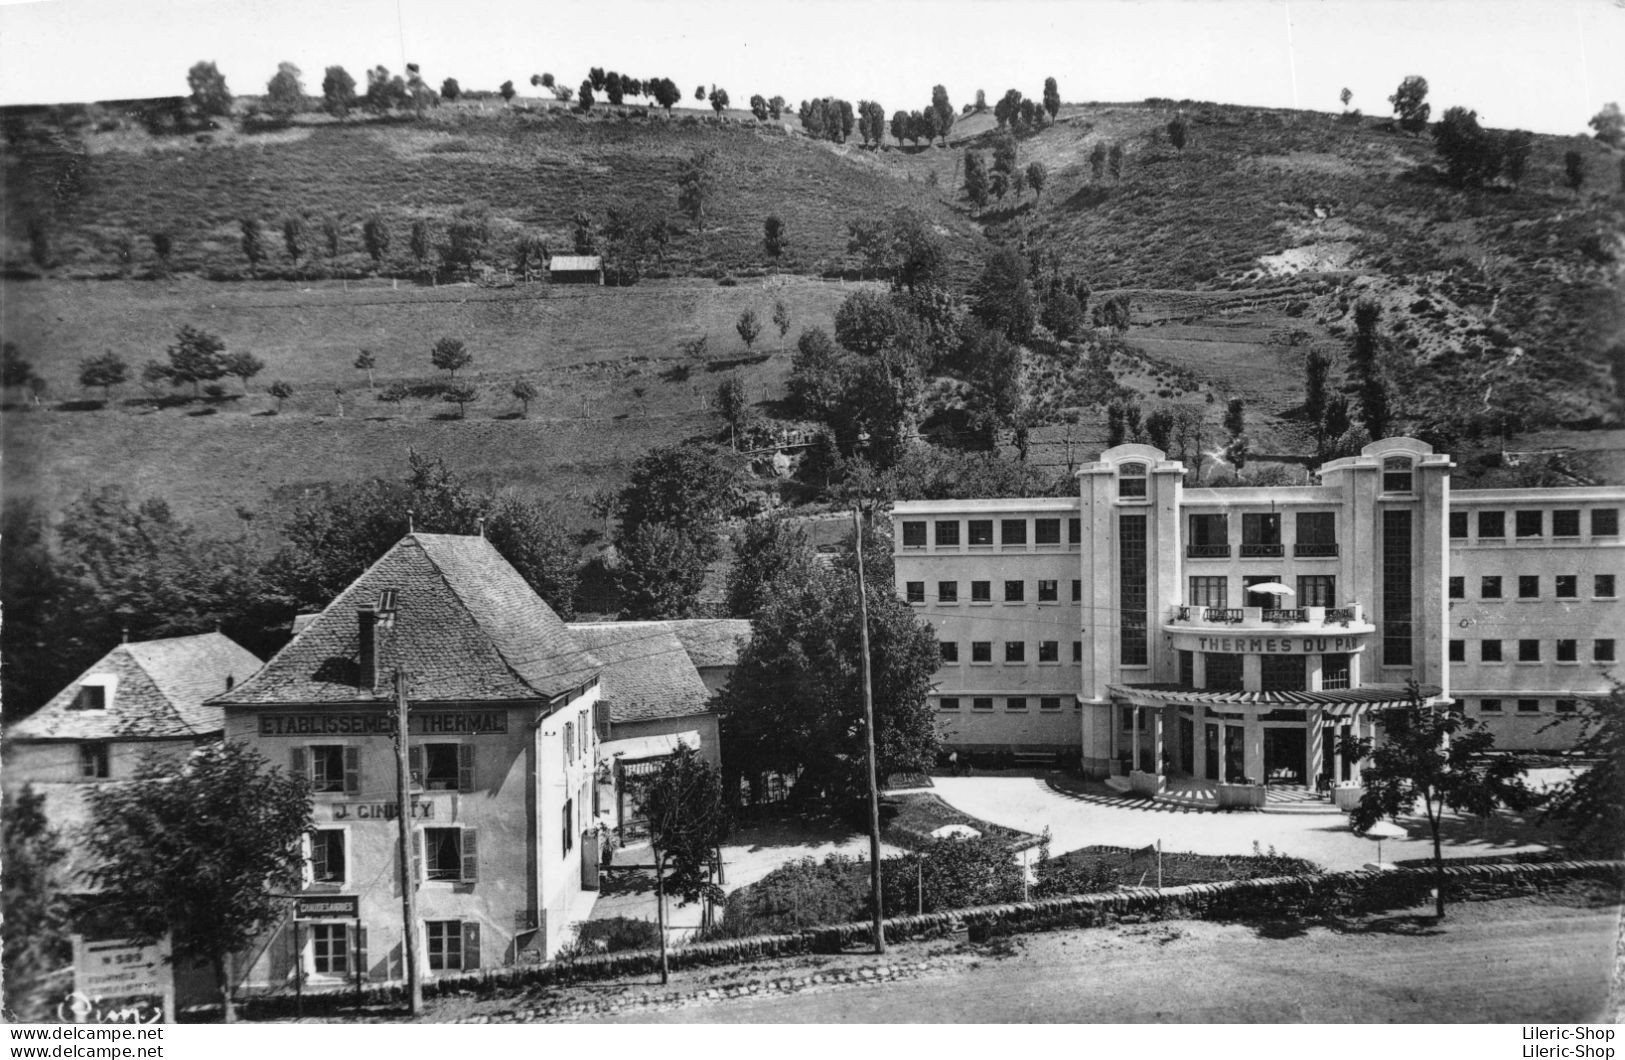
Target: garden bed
x=918 y=815
x=1105 y=868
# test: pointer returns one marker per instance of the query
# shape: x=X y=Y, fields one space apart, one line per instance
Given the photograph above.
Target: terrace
x=1191 y=616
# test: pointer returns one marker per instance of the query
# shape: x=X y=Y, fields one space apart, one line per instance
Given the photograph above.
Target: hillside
x=1241 y=254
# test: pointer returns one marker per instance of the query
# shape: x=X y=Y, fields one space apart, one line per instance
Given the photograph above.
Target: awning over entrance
x=1345 y=702
x=637 y=748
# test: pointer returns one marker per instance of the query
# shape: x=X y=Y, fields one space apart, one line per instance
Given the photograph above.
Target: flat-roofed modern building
x=1235 y=633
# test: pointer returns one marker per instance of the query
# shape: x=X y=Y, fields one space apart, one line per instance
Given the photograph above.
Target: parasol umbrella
x=1384 y=830
x=1272 y=588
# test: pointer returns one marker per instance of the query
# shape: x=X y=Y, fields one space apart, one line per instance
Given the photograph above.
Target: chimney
x=368 y=668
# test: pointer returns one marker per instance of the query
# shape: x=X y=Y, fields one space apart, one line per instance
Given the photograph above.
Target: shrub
x=613 y=935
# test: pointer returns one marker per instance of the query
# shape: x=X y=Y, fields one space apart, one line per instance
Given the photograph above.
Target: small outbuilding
x=576 y=268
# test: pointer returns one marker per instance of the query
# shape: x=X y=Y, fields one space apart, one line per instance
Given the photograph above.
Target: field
x=606 y=361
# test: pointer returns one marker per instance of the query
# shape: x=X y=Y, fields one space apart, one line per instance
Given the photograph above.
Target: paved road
x=1498 y=962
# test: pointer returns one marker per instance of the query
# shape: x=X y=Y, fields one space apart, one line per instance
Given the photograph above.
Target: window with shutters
x=452 y=945
x=450 y=854
x=330 y=949
x=332 y=769
x=442 y=766
x=327 y=856
x=569 y=742
x=568 y=832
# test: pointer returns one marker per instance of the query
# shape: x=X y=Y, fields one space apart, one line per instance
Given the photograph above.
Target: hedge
x=1315 y=895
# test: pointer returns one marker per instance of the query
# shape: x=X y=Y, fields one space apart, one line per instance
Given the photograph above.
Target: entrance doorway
x=1284 y=754
x=1187 y=746
x=1210 y=753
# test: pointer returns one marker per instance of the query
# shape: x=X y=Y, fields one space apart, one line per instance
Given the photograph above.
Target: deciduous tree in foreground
x=202 y=853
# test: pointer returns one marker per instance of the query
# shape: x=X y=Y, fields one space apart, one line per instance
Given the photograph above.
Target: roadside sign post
x=123 y=969
x=324 y=907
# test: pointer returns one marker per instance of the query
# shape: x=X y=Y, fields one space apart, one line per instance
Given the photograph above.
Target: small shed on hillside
x=576 y=268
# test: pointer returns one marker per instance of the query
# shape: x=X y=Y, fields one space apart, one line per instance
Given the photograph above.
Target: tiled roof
x=468 y=627
x=160 y=692
x=647 y=672
x=713 y=641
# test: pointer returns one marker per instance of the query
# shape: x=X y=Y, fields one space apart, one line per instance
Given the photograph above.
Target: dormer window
x=90 y=697
x=1131 y=481
x=1397 y=476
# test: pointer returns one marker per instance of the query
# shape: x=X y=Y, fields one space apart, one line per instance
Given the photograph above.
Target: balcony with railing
x=1262 y=550
x=1315 y=550
x=1300 y=619
x=1207 y=551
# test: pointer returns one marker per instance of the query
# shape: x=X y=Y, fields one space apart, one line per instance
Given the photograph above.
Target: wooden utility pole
x=869 y=736
x=403 y=815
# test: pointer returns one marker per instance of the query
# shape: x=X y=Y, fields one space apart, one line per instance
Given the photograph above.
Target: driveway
x=1108 y=819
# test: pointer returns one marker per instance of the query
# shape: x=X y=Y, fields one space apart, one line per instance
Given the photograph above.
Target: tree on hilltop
x=1609 y=125
x=212 y=881
x=450 y=354
x=285 y=93
x=450 y=90
x=749 y=326
x=1177 y=129
x=773 y=237
x=719 y=100
x=943 y=110
x=667 y=94
x=281 y=391
x=210 y=95
x=375 y=237
x=338 y=92
x=662 y=571
x=365 y=361
x=244 y=366
x=1345 y=96
x=253 y=243
x=781 y=321
x=758 y=107
x=732 y=405
x=976 y=183
x=332 y=235
x=1052 y=98
x=295 y=238
x=1037 y=177
x=584 y=97
x=460 y=394
x=697 y=184
x=524 y=391
x=420 y=243
x=1472 y=155
x=1516 y=147
x=197 y=357
x=1410 y=103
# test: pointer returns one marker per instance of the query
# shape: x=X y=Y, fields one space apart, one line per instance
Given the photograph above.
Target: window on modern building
x=981 y=531
x=981 y=651
x=947 y=592
x=1125 y=719
x=1261 y=534
x=1566 y=586
x=1458 y=651
x=450 y=853
x=1074 y=531
x=1529 y=523
x=1568 y=650
x=914 y=533
x=1187 y=669
x=948 y=703
x=1602 y=586
x=1492 y=524
x=1528 y=706
x=330 y=949
x=327 y=855
x=1489 y=587
x=1049 y=702
x=1458 y=524
x=1046 y=531
x=1049 y=651
x=982 y=703
x=1223 y=671
x=916 y=592
x=1282 y=673
x=981 y=592
x=1334 y=671
x=1317 y=535
x=93 y=761
x=1397 y=586
x=1602 y=649
x=1605 y=522
x=1566 y=522
x=950 y=650
x=90 y=697
x=947 y=531
x=1015 y=651
x=1317 y=590
x=448 y=766
x=1049 y=591
x=1528 y=650
x=1013 y=531
x=1397 y=476
x=1015 y=703
x=1489 y=651
x=1489 y=706
x=1133 y=591
x=1131 y=480
x=1458 y=587
x=1210 y=536
x=454 y=945
x=1528 y=586
x=1566 y=706
x=1077 y=590
x=1015 y=592
x=1077 y=651
x=1210 y=591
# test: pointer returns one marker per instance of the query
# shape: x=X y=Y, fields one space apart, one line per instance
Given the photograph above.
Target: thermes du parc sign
x=381 y=723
